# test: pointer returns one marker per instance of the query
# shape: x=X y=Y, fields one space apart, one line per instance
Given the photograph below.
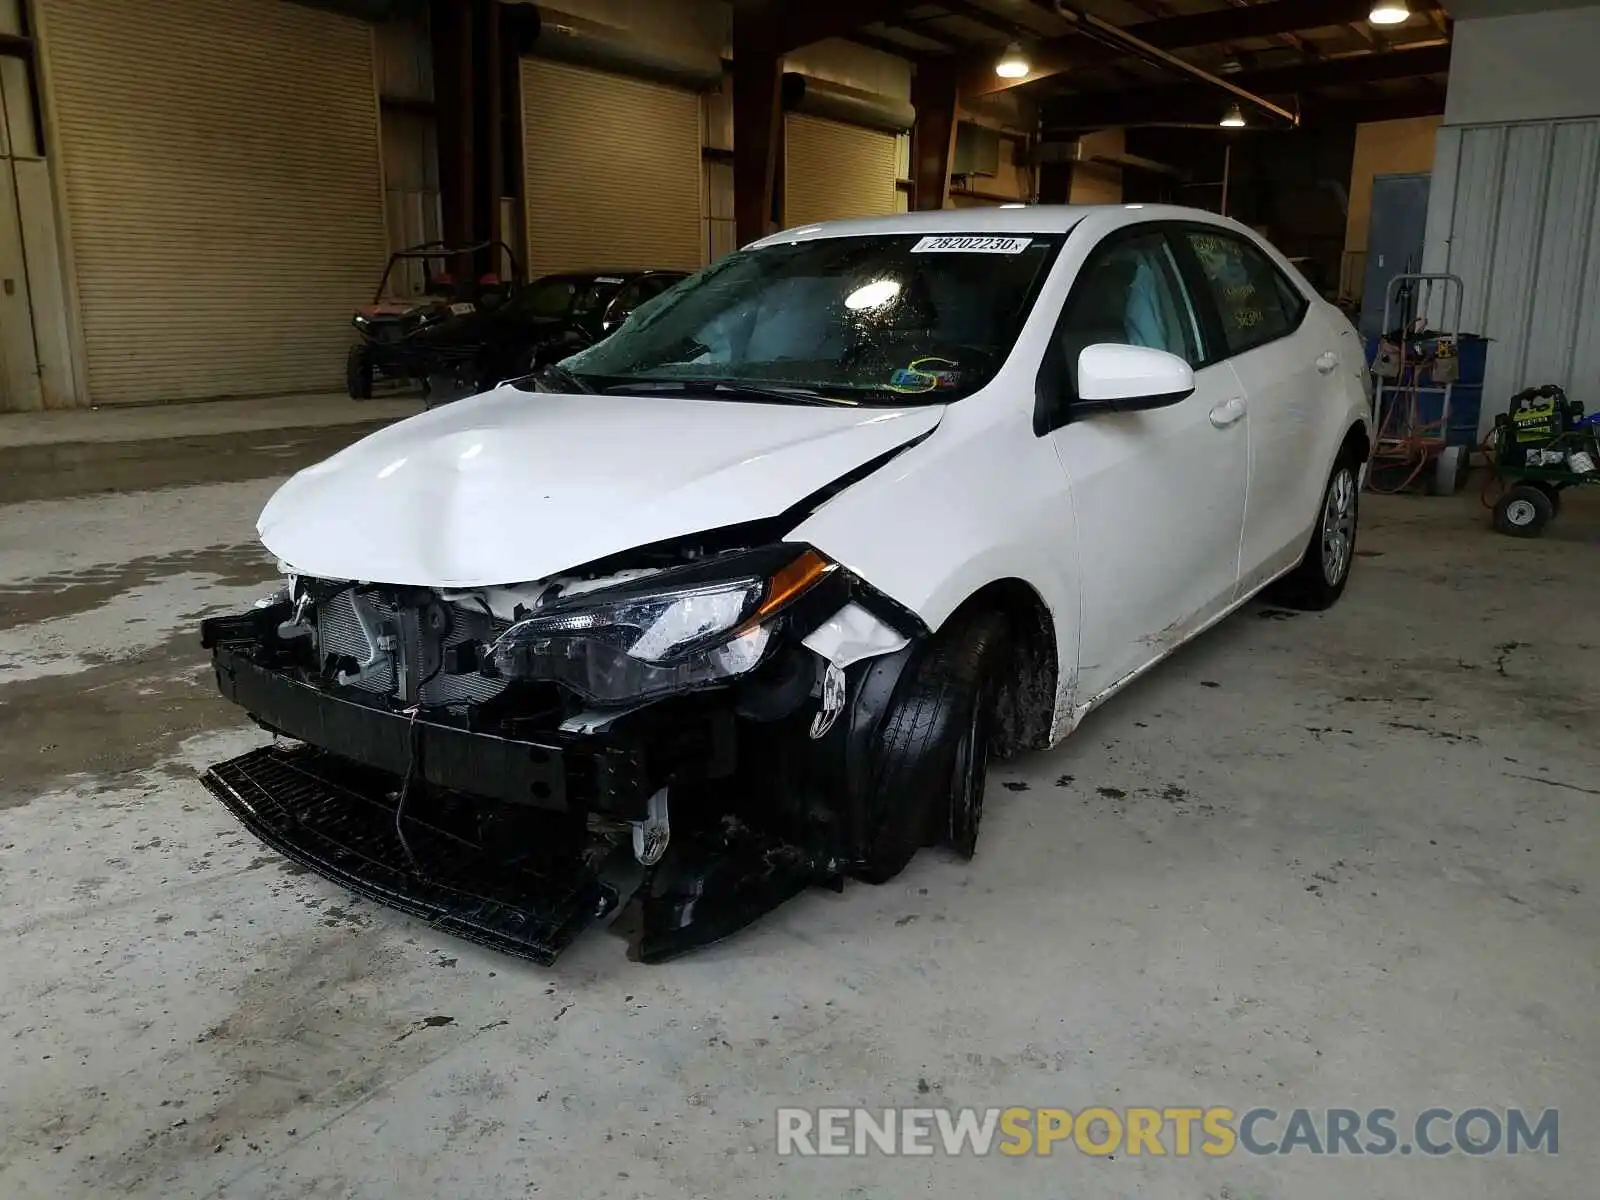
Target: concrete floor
x=209 y=418
x=1338 y=860
x=47 y=455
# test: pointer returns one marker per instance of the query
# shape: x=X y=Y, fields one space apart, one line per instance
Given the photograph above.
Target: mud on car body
x=744 y=598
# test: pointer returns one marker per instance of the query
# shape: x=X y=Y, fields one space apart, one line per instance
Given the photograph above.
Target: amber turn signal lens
x=790 y=582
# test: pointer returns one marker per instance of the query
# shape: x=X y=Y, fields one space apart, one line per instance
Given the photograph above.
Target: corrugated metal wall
x=410 y=145
x=833 y=170
x=35 y=342
x=611 y=171
x=221 y=168
x=1515 y=211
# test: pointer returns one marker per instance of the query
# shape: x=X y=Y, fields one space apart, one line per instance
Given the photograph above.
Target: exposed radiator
x=342 y=631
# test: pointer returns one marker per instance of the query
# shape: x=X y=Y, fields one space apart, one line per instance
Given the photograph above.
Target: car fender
x=979 y=501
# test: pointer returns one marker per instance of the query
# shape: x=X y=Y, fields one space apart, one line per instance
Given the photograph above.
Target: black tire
x=927 y=779
x=1523 y=511
x=1319 y=579
x=358 y=373
x=1552 y=491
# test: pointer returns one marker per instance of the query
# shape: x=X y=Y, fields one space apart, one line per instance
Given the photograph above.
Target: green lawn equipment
x=1543 y=444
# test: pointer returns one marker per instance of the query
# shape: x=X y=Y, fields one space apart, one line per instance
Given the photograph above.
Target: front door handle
x=1328 y=362
x=1227 y=412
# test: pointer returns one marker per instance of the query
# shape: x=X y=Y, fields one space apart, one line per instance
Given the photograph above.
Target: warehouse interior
x=666 y=134
x=1324 y=861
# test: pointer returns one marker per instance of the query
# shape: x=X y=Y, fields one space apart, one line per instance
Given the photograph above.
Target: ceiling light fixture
x=1389 y=12
x=1232 y=119
x=1013 y=64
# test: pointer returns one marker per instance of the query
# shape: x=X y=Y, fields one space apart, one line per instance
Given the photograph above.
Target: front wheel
x=1524 y=511
x=1318 y=581
x=927 y=779
x=1553 y=492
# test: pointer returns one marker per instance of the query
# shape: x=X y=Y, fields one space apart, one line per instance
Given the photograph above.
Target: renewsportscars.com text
x=1213 y=1132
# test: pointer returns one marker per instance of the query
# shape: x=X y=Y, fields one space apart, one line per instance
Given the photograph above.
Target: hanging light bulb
x=1388 y=12
x=1233 y=118
x=1013 y=64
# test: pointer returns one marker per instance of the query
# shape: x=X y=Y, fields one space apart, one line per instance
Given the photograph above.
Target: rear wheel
x=932 y=757
x=1318 y=582
x=1523 y=511
x=358 y=373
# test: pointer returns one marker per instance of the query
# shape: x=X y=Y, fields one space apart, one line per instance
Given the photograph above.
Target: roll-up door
x=223 y=188
x=834 y=170
x=611 y=170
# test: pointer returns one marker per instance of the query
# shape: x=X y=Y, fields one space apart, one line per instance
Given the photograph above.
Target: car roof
x=1017 y=218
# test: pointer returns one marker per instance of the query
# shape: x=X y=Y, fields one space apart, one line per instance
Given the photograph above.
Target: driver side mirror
x=1118 y=378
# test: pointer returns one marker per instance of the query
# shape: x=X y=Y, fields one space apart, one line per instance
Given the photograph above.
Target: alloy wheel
x=1338 y=526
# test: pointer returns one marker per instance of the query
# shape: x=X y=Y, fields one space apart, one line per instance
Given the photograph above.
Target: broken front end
x=677 y=742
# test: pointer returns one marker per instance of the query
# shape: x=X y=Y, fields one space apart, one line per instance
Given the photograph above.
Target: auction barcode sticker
x=971 y=244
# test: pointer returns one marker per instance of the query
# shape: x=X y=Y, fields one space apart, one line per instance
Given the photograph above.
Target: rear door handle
x=1328 y=362
x=1227 y=412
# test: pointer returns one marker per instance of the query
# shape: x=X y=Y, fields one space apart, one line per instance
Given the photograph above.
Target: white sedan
x=751 y=592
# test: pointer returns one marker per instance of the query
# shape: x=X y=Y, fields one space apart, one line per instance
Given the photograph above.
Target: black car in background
x=567 y=312
x=460 y=338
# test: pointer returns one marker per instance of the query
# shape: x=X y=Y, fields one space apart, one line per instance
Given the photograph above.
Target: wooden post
x=933 y=137
x=757 y=121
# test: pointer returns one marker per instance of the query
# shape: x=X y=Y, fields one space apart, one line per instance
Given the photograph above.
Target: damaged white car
x=745 y=598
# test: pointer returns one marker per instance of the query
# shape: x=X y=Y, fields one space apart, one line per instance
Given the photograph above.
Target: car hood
x=513 y=486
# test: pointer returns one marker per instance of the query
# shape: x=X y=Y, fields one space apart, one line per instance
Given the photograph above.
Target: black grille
x=474 y=869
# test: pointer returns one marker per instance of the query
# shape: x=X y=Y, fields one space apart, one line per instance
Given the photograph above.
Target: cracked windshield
x=864 y=320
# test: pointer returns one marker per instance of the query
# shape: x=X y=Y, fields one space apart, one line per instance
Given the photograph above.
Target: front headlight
x=670 y=632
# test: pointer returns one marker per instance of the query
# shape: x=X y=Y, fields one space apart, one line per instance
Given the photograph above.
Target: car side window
x=1254 y=302
x=1129 y=292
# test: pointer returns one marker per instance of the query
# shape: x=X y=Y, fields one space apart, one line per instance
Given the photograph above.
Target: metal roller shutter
x=833 y=170
x=220 y=164
x=611 y=170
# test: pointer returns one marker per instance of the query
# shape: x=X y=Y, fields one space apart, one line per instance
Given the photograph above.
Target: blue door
x=1394 y=243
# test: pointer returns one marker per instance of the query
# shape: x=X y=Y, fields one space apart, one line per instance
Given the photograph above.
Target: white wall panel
x=1532 y=67
x=1555 y=319
x=1515 y=211
x=1510 y=286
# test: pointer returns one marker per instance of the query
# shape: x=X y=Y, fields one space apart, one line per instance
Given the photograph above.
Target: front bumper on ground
x=487 y=833
x=340 y=820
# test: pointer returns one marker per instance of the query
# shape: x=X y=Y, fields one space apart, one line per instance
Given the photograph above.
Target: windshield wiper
x=720 y=387
x=552 y=378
